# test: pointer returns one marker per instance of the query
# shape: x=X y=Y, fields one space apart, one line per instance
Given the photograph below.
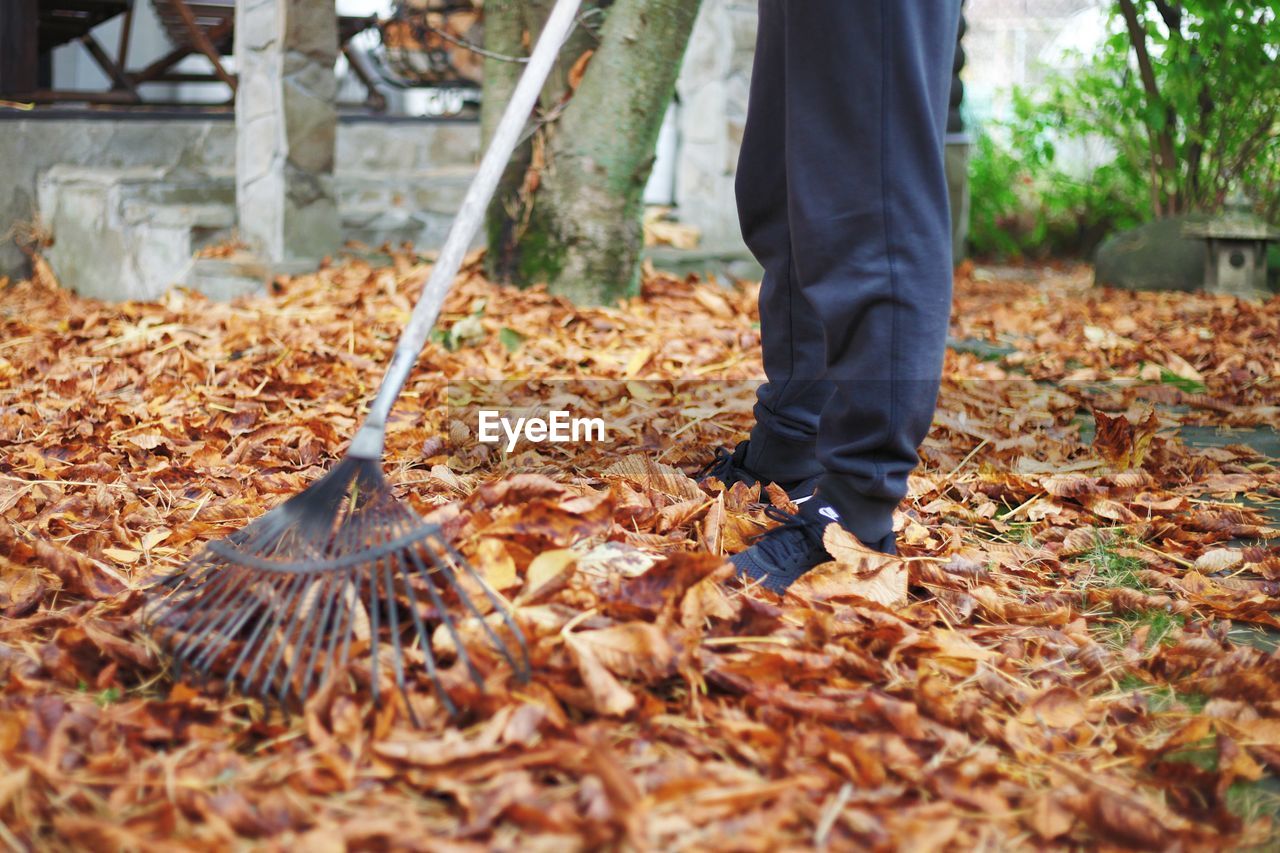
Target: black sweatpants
x=842 y=197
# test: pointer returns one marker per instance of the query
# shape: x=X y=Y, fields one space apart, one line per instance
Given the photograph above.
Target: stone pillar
x=712 y=87
x=286 y=125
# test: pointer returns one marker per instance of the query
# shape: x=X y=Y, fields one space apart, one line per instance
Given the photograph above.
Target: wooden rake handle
x=368 y=441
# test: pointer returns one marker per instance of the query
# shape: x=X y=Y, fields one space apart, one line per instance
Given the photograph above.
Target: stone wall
x=286 y=206
x=386 y=159
x=712 y=88
x=30 y=147
x=402 y=179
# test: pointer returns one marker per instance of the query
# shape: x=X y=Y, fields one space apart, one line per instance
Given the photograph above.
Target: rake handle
x=368 y=441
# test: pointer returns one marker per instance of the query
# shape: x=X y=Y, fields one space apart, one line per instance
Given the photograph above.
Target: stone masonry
x=393 y=180
x=128 y=201
x=287 y=122
x=712 y=89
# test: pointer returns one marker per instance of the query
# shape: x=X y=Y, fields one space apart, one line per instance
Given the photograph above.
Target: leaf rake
x=280 y=607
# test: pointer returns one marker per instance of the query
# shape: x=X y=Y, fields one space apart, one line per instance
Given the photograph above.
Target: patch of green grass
x=1252 y=801
x=1162 y=628
x=510 y=338
x=1160 y=624
x=1194 y=701
x=1249 y=801
x=1203 y=754
x=1163 y=698
x=1114 y=569
x=1182 y=383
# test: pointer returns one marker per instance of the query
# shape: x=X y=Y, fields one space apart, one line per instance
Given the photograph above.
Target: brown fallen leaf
x=1122 y=443
x=856 y=570
x=548 y=571
x=633 y=650
x=607 y=695
x=1057 y=707
x=495 y=564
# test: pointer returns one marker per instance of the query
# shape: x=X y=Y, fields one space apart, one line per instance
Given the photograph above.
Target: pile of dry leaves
x=1077 y=648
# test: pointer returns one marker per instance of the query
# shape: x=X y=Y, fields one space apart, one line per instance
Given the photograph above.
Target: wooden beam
x=119 y=82
x=126 y=30
x=19 y=50
x=202 y=43
x=156 y=71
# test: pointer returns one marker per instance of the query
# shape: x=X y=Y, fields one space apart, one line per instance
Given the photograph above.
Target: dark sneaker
x=729 y=467
x=782 y=554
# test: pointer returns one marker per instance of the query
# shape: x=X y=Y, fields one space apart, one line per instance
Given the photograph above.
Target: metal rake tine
x=172 y=579
x=297 y=630
x=260 y=536
x=308 y=671
x=155 y=610
x=373 y=634
x=524 y=669
x=304 y=623
x=264 y=617
x=406 y=522
x=233 y=613
x=338 y=540
x=222 y=589
x=226 y=633
x=377 y=537
x=243 y=613
x=346 y=619
x=346 y=535
x=284 y=617
x=445 y=618
x=183 y=651
x=352 y=601
x=393 y=622
x=425 y=642
x=166 y=607
x=499 y=646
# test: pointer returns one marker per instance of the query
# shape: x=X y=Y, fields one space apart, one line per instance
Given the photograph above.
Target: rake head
x=278 y=607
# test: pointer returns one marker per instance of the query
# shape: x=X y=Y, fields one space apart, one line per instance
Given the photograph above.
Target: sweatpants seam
x=885 y=65
x=781 y=396
x=786 y=182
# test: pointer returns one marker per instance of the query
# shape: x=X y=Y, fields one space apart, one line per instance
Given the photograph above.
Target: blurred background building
x=405 y=144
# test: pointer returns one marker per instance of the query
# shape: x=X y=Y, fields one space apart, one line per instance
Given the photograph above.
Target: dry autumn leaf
x=1080 y=617
x=608 y=696
x=855 y=570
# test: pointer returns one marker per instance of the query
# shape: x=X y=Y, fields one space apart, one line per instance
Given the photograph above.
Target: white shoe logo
x=829 y=512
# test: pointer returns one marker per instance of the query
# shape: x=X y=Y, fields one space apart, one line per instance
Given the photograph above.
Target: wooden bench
x=207 y=27
x=30 y=29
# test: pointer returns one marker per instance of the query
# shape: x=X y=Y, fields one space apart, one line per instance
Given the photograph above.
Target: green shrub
x=1187 y=95
x=1025 y=205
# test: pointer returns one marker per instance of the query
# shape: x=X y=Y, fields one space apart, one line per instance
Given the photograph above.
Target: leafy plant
x=1182 y=96
x=1025 y=204
x=1203 y=113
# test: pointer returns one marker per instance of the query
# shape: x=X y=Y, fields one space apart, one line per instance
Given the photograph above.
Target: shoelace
x=776 y=543
x=720 y=465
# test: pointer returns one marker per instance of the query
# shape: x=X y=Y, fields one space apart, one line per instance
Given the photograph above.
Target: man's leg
x=867 y=83
x=783 y=443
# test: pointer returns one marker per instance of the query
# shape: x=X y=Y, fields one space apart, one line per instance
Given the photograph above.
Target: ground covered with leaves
x=1076 y=649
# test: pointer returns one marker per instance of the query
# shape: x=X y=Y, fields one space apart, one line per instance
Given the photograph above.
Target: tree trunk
x=570 y=207
x=1168 y=201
